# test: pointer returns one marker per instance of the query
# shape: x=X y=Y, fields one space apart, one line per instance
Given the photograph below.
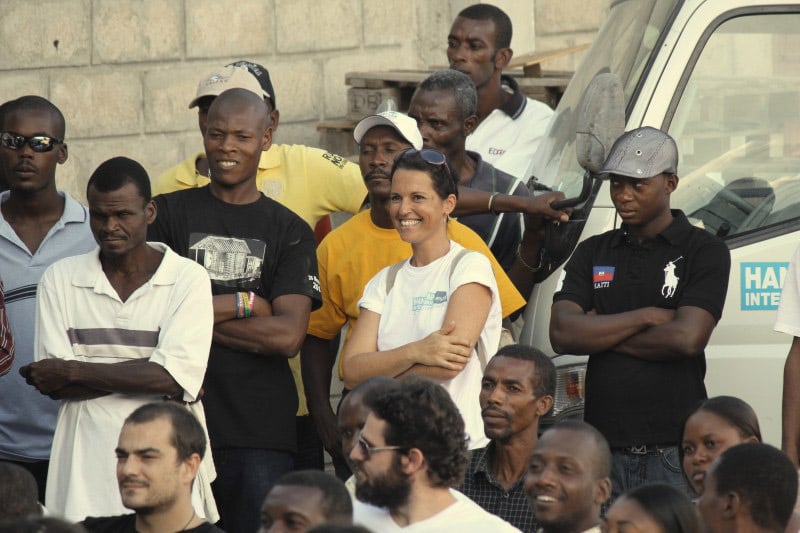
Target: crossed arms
x=650 y=333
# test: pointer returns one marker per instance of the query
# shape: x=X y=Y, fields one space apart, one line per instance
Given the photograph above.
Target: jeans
x=244 y=477
x=656 y=465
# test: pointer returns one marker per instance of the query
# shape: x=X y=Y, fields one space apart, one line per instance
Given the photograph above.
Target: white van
x=723 y=78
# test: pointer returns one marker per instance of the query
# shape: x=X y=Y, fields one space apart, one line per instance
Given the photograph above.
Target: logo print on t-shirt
x=427 y=301
x=602 y=276
x=229 y=261
x=670 y=279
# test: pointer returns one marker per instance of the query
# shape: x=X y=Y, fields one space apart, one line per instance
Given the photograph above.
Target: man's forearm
x=138 y=377
x=580 y=333
x=274 y=335
x=686 y=335
x=77 y=392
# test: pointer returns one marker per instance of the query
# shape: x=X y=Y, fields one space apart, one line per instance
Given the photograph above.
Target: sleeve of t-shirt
x=337 y=181
x=50 y=329
x=296 y=267
x=576 y=279
x=375 y=293
x=6 y=340
x=326 y=321
x=474 y=268
x=788 y=319
x=518 y=157
x=707 y=282
x=158 y=231
x=184 y=338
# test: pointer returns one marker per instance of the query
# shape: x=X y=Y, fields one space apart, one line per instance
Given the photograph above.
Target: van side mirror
x=600 y=122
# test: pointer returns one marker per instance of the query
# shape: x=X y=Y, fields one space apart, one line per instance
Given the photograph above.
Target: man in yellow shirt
x=311 y=182
x=354 y=252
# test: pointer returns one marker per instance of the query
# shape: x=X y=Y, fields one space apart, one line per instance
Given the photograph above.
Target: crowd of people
x=162 y=323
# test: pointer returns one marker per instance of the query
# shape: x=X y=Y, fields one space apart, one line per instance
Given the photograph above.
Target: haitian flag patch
x=602 y=273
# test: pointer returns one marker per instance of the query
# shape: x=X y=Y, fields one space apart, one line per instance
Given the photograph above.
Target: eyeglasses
x=38 y=143
x=368 y=450
x=432 y=157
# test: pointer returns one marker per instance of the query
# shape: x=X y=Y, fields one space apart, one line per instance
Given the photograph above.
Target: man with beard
x=159 y=452
x=411 y=451
x=509 y=125
x=517 y=389
x=568 y=479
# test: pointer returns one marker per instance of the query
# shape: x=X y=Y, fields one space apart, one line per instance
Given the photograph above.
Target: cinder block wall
x=123 y=71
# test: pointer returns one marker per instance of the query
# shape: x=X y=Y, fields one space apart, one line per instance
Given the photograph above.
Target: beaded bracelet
x=491 y=203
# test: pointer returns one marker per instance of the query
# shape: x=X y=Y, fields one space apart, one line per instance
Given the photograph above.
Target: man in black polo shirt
x=642 y=301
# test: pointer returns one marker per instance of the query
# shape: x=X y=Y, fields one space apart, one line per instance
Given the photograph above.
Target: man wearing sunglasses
x=38 y=226
x=411 y=450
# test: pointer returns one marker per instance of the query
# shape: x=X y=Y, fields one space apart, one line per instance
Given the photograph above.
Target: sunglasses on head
x=38 y=143
x=432 y=157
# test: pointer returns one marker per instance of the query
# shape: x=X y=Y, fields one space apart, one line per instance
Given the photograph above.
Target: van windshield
x=622 y=46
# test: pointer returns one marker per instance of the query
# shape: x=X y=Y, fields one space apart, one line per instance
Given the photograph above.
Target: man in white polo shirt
x=510 y=125
x=115 y=329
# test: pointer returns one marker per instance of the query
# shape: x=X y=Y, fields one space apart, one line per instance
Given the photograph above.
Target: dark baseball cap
x=642 y=153
x=261 y=74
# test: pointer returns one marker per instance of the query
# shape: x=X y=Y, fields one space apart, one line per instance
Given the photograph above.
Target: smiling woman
x=426 y=315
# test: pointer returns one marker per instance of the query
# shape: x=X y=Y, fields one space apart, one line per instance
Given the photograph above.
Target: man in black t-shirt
x=642 y=301
x=159 y=452
x=261 y=259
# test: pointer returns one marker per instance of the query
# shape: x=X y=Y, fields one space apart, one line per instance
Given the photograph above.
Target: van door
x=729 y=93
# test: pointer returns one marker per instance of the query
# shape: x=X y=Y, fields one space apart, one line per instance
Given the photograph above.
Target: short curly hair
x=420 y=414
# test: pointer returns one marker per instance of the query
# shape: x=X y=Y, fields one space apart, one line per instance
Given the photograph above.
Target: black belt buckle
x=642 y=449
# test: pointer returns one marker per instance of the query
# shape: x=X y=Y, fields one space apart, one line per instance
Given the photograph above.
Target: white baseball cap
x=400 y=122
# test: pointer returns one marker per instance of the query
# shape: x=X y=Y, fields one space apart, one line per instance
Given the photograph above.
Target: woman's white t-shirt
x=415 y=307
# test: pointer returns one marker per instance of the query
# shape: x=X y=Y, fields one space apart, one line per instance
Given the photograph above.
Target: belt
x=642 y=449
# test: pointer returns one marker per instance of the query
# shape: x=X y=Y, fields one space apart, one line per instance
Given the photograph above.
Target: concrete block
x=433 y=22
x=99 y=104
x=554 y=42
x=14 y=85
x=382 y=23
x=373 y=59
x=363 y=102
x=219 y=29
x=298 y=89
x=45 y=33
x=137 y=30
x=167 y=93
x=310 y=25
x=565 y=16
x=156 y=153
x=298 y=133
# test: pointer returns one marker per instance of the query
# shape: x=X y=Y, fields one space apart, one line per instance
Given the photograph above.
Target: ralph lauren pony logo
x=602 y=276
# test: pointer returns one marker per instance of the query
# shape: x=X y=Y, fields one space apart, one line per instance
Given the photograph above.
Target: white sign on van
x=761 y=285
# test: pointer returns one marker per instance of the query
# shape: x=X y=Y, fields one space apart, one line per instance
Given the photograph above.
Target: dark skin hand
x=75 y=380
x=319 y=358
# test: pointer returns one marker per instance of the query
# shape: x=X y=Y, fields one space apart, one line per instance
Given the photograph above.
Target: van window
x=737 y=125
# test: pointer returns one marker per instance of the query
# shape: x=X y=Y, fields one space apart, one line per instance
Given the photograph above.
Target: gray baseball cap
x=642 y=153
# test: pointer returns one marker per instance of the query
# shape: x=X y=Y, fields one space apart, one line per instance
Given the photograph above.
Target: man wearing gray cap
x=642 y=301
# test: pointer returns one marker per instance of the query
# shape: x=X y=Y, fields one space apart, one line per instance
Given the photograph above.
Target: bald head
x=35 y=104
x=235 y=101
